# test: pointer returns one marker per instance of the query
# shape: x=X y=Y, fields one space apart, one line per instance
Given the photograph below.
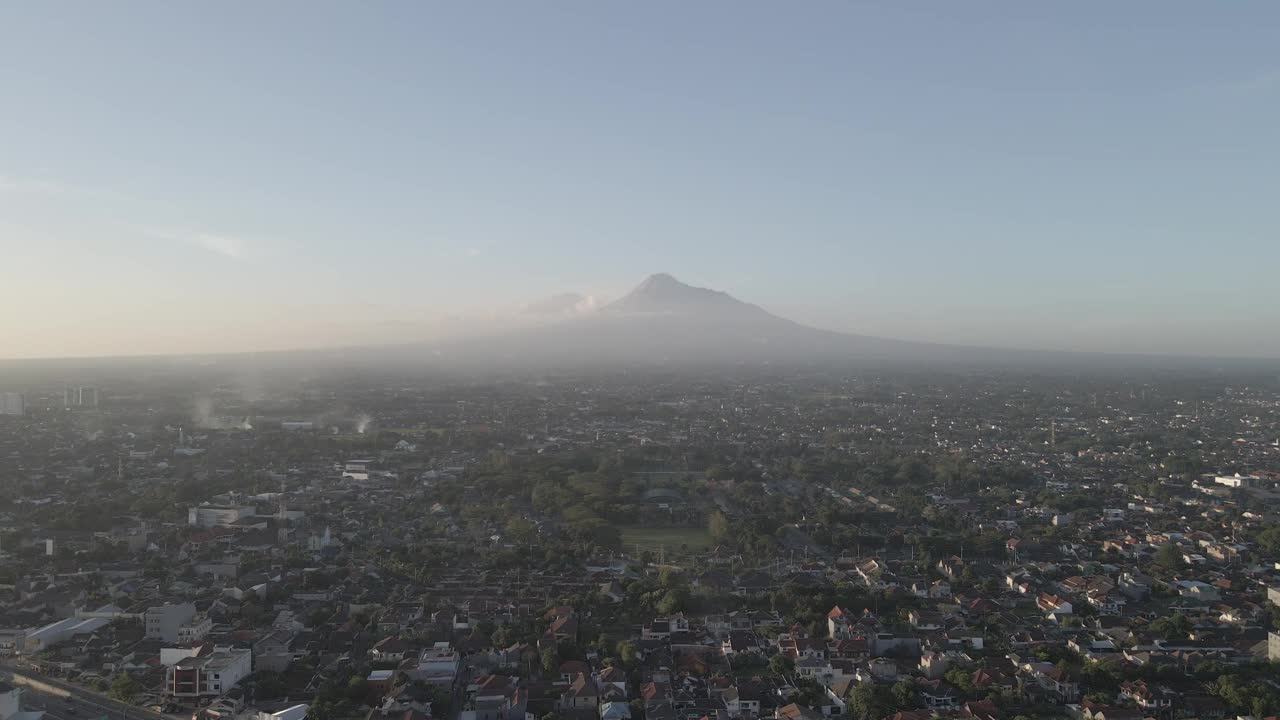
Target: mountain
x=666 y=322
x=662 y=294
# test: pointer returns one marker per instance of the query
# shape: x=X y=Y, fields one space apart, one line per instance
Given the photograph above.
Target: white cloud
x=81 y=199
x=232 y=247
x=229 y=246
x=10 y=184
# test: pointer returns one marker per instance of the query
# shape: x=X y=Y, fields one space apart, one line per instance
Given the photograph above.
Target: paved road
x=76 y=703
x=458 y=694
x=72 y=707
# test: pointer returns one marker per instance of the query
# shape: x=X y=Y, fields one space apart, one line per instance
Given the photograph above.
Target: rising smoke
x=204 y=418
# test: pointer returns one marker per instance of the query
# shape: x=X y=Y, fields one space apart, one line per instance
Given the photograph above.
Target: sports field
x=672 y=538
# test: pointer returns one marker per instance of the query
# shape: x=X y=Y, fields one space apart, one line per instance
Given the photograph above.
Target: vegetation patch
x=672 y=538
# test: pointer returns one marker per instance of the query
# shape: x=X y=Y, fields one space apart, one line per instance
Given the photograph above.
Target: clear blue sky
x=1089 y=175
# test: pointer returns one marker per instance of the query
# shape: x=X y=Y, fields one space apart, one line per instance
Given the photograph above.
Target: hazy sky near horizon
x=190 y=177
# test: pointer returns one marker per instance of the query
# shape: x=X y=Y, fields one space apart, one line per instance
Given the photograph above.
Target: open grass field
x=654 y=538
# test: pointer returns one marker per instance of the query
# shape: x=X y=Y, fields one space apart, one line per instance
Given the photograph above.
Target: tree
x=671 y=602
x=810 y=693
x=321 y=709
x=1169 y=556
x=357 y=689
x=962 y=679
x=904 y=694
x=550 y=660
x=124 y=688
x=269 y=685
x=318 y=617
x=865 y=703
x=626 y=653
x=1172 y=627
x=503 y=636
x=669 y=577
x=781 y=665
x=718 y=525
x=521 y=530
x=1269 y=538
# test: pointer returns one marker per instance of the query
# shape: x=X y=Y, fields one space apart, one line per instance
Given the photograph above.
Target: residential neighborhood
x=681 y=548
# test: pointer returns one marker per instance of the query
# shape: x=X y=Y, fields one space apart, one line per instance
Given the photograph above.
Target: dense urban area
x=184 y=540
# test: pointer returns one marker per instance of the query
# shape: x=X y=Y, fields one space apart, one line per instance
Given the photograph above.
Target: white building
x=438 y=665
x=1195 y=589
x=176 y=624
x=172 y=656
x=208 y=675
x=218 y=515
x=63 y=630
x=1236 y=481
x=12 y=403
x=194 y=631
x=80 y=397
x=296 y=712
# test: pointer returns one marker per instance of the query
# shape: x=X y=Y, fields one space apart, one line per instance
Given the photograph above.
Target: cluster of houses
x=304 y=572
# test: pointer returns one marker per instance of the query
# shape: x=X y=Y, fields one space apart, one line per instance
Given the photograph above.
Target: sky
x=197 y=177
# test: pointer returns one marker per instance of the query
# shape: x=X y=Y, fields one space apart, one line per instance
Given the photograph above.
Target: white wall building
x=176 y=623
x=64 y=630
x=208 y=675
x=194 y=630
x=12 y=403
x=218 y=515
x=438 y=665
x=80 y=397
x=1236 y=481
x=173 y=656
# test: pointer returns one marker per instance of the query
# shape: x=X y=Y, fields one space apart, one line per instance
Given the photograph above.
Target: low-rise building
x=176 y=624
x=208 y=675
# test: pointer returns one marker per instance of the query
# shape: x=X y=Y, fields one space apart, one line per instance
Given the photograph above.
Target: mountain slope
x=664 y=321
x=666 y=324
x=663 y=294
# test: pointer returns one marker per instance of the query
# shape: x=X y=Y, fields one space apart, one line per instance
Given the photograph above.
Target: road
x=64 y=701
x=458 y=694
x=72 y=707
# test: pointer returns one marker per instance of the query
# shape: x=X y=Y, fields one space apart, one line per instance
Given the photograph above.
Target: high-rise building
x=12 y=403
x=80 y=397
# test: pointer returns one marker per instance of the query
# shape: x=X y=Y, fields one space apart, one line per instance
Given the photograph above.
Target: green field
x=672 y=538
